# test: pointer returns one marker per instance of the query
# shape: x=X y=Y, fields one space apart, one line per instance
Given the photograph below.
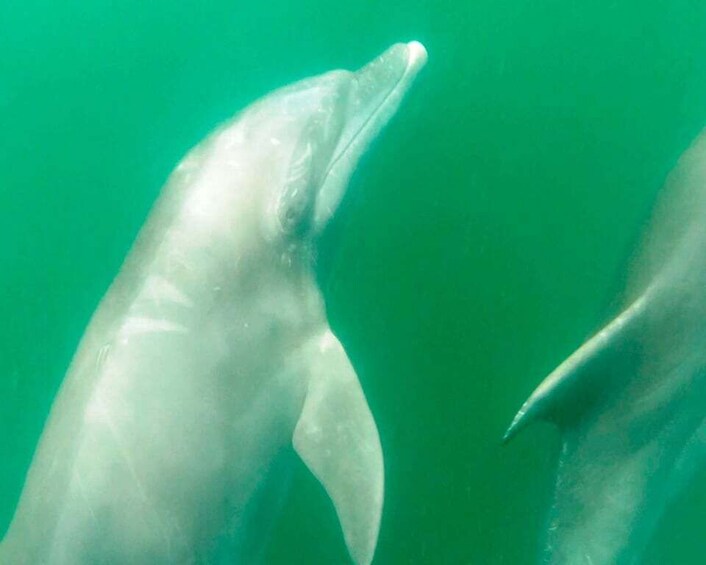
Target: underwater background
x=484 y=236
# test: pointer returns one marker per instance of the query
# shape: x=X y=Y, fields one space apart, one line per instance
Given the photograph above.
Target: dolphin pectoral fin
x=337 y=438
x=569 y=391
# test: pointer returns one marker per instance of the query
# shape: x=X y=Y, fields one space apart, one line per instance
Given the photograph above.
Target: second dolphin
x=631 y=401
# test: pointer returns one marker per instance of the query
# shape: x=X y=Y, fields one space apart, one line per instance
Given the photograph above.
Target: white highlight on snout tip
x=416 y=53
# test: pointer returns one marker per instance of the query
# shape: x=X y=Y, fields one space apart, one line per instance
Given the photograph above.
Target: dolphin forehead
x=293 y=105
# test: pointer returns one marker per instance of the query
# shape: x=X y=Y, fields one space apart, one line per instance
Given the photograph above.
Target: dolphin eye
x=296 y=204
x=292 y=215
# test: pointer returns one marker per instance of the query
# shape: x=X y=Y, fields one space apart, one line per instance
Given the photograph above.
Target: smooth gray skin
x=631 y=402
x=211 y=352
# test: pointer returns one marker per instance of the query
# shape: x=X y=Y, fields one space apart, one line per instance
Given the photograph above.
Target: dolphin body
x=631 y=401
x=211 y=352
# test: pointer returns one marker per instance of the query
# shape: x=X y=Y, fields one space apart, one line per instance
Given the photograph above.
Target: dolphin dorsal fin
x=568 y=389
x=337 y=438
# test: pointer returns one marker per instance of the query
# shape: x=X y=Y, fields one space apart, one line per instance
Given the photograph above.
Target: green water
x=482 y=240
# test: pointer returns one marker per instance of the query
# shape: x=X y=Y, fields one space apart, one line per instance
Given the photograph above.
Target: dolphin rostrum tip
x=417 y=53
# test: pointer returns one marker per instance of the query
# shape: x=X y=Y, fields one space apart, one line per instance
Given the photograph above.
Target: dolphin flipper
x=569 y=391
x=337 y=438
x=619 y=442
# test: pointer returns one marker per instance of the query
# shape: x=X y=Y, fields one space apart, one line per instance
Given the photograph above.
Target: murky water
x=482 y=239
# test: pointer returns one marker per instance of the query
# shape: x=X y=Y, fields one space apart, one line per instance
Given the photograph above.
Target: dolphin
x=211 y=354
x=631 y=401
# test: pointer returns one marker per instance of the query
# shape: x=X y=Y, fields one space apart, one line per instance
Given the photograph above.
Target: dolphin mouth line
x=416 y=57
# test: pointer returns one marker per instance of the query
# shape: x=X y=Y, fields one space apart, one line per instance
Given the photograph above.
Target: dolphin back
x=675 y=236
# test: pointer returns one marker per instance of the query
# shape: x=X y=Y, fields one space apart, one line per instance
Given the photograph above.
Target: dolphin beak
x=378 y=90
x=389 y=73
x=402 y=60
x=375 y=94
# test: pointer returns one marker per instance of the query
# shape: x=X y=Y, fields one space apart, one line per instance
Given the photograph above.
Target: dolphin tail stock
x=572 y=388
x=337 y=439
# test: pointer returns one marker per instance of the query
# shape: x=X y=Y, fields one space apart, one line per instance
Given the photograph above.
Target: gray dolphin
x=211 y=352
x=631 y=401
